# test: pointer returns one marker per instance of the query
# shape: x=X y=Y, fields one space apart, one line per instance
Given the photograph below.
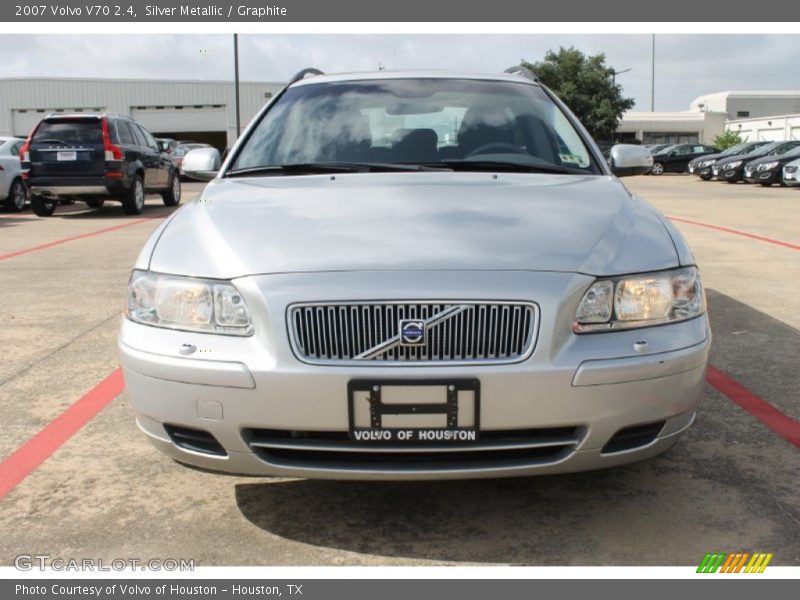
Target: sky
x=686 y=66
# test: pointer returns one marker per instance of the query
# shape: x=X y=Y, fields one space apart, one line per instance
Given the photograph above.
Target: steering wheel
x=482 y=149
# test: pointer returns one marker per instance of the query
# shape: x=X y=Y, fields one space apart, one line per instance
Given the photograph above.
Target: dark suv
x=95 y=157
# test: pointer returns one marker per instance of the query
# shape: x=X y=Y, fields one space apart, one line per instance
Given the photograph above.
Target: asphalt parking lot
x=89 y=485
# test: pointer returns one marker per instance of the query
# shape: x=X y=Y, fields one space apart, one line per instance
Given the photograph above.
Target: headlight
x=187 y=303
x=768 y=166
x=641 y=301
x=732 y=165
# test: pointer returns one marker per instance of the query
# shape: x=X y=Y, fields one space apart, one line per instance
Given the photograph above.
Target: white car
x=12 y=190
x=791 y=173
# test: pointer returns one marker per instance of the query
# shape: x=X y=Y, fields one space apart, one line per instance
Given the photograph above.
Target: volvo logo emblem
x=412 y=332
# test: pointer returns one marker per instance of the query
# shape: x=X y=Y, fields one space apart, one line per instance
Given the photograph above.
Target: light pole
x=236 y=81
x=614 y=83
x=653 y=76
x=615 y=73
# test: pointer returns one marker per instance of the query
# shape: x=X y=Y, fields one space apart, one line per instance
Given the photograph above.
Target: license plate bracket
x=372 y=391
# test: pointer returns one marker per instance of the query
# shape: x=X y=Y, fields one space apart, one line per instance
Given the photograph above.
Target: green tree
x=585 y=84
x=727 y=140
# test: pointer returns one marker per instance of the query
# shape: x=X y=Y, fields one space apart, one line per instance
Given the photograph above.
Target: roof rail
x=522 y=70
x=302 y=74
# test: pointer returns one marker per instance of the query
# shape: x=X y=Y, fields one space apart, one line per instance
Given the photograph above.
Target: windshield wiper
x=459 y=164
x=47 y=141
x=332 y=167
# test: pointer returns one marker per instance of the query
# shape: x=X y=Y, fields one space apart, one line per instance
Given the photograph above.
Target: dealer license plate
x=66 y=155
x=414 y=411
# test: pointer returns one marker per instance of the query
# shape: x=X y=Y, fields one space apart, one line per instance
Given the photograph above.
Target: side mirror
x=201 y=164
x=629 y=159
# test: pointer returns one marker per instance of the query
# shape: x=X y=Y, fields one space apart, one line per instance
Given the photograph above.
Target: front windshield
x=416 y=122
x=793 y=152
x=734 y=150
x=752 y=148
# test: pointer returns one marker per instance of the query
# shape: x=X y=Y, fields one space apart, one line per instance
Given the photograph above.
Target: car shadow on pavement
x=11 y=221
x=114 y=211
x=667 y=510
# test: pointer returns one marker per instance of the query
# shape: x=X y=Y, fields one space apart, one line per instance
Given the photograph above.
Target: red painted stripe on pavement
x=40 y=447
x=75 y=237
x=752 y=236
x=782 y=424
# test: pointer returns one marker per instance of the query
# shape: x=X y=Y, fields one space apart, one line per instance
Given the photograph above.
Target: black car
x=701 y=166
x=656 y=148
x=95 y=157
x=731 y=169
x=675 y=159
x=769 y=169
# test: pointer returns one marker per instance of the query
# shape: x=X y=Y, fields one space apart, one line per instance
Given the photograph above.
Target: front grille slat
x=470 y=332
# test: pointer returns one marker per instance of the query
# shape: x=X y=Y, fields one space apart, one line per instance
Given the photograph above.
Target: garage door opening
x=218 y=139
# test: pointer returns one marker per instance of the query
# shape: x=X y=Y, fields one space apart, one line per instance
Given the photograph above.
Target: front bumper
x=587 y=387
x=726 y=174
x=754 y=176
x=791 y=178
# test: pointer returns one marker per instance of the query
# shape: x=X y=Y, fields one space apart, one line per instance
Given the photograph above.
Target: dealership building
x=757 y=115
x=203 y=111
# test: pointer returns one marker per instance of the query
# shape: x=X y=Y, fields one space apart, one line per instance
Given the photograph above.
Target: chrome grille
x=456 y=332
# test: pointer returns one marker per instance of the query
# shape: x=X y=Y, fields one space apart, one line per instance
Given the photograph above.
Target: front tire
x=657 y=169
x=133 y=201
x=765 y=184
x=17 y=196
x=42 y=207
x=172 y=195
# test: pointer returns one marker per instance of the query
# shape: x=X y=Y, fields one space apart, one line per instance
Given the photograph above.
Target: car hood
x=419 y=221
x=780 y=158
x=705 y=157
x=743 y=157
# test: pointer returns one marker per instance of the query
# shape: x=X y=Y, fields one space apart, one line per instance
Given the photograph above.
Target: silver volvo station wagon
x=415 y=275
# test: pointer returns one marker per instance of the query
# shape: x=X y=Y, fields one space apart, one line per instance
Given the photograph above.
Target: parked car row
x=764 y=163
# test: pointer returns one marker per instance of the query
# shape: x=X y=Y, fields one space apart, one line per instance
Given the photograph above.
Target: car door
x=140 y=145
x=162 y=162
x=147 y=157
x=14 y=166
x=127 y=142
x=678 y=159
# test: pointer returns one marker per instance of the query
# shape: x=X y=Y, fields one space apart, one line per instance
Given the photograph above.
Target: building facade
x=203 y=111
x=752 y=113
x=770 y=129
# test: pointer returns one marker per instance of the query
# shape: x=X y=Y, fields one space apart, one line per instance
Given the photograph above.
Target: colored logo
x=412 y=333
x=738 y=562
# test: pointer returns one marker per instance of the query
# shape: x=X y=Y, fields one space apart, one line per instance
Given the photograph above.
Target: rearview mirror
x=201 y=163
x=629 y=159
